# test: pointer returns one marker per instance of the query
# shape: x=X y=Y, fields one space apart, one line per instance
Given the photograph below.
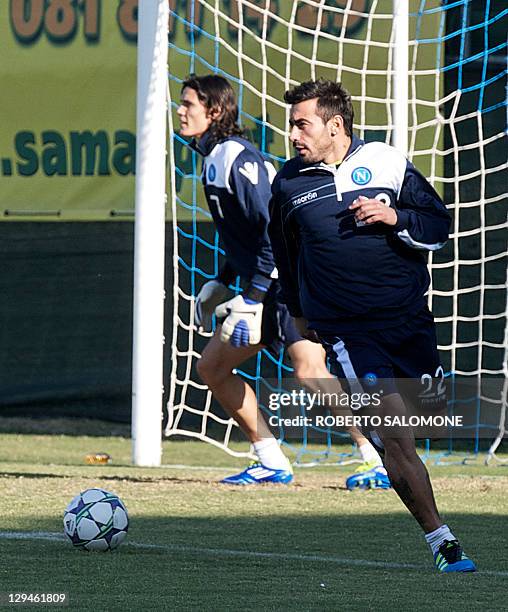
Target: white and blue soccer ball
x=96 y=520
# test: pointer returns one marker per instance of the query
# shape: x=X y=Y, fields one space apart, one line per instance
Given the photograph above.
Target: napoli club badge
x=361 y=175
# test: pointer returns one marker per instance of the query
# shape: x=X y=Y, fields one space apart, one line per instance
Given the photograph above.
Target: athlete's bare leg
x=236 y=397
x=308 y=359
x=407 y=473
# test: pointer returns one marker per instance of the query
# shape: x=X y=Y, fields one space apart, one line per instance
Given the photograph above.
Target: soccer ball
x=96 y=520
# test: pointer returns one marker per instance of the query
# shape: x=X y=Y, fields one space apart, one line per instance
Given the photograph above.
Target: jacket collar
x=356 y=143
x=204 y=145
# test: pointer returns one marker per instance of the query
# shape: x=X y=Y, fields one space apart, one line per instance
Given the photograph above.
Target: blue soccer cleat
x=257 y=473
x=369 y=476
x=451 y=558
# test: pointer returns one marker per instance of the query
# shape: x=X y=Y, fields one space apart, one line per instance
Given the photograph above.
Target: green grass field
x=194 y=544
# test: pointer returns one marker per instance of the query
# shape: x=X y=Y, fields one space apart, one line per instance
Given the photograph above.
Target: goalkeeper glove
x=242 y=325
x=211 y=294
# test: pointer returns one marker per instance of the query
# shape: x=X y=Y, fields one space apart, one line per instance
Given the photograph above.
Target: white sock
x=270 y=455
x=369 y=454
x=438 y=536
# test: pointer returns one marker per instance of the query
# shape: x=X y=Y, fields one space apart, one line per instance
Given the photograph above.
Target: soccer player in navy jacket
x=236 y=179
x=349 y=223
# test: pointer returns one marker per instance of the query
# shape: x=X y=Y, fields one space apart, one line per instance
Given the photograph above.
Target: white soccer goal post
x=427 y=76
x=148 y=331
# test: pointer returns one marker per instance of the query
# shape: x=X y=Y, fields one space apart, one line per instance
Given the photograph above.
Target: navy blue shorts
x=277 y=328
x=403 y=355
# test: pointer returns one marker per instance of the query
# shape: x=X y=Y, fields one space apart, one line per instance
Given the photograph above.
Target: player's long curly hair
x=332 y=99
x=216 y=93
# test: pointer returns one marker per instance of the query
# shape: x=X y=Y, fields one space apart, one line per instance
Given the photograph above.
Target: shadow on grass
x=305 y=562
x=6 y=473
x=45 y=425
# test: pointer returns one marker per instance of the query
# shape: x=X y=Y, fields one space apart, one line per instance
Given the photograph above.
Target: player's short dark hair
x=332 y=99
x=215 y=92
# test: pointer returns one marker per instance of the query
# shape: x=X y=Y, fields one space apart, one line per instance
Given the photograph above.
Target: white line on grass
x=201 y=468
x=209 y=468
x=249 y=554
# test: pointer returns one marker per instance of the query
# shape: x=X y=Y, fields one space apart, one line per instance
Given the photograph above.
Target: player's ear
x=336 y=124
x=214 y=113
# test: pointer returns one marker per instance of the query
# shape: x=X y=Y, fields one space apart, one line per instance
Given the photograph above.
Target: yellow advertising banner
x=68 y=108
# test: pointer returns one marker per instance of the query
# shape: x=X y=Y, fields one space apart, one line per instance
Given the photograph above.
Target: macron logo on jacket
x=312 y=195
x=250 y=170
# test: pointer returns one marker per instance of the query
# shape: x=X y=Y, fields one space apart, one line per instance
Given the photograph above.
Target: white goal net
x=456 y=136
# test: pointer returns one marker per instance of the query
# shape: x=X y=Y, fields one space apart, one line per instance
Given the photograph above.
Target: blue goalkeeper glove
x=242 y=323
x=211 y=295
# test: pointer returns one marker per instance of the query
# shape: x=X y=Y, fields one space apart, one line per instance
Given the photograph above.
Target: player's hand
x=242 y=325
x=210 y=296
x=368 y=210
x=301 y=325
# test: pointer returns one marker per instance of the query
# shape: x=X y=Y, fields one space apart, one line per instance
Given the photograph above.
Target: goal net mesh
x=456 y=135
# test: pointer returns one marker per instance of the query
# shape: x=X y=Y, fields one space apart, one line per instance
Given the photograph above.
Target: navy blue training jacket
x=236 y=179
x=341 y=276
